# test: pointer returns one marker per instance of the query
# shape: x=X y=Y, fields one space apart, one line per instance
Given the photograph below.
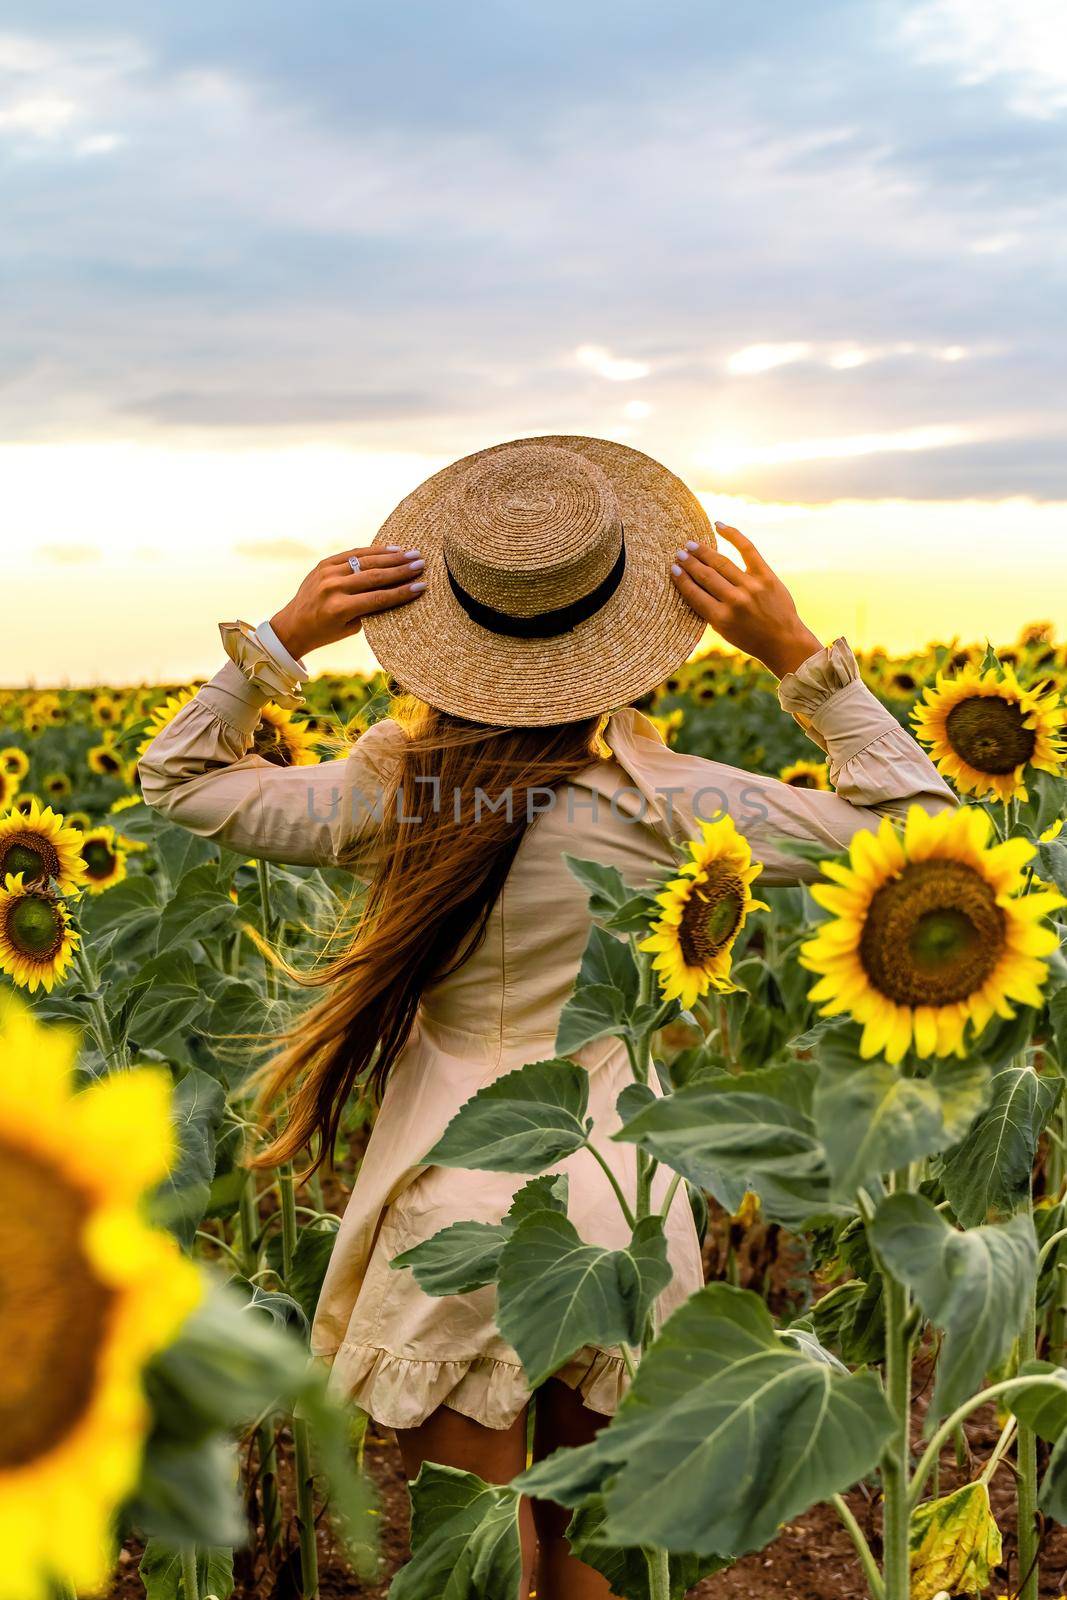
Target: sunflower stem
x=1026 y=1460
x=896 y=1456
x=190 y=1576
x=305 y=1509
x=863 y=1549
x=113 y=1053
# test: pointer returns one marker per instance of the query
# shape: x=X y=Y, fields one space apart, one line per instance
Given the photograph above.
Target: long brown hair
x=432 y=886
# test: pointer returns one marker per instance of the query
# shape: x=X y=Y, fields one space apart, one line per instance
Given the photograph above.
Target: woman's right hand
x=333 y=599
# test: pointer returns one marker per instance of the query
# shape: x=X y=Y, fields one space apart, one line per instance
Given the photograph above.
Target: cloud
x=69 y=555
x=617 y=369
x=274 y=550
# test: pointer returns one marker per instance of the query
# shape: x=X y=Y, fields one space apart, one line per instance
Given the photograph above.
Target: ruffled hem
x=398 y=1392
x=805 y=691
x=256 y=664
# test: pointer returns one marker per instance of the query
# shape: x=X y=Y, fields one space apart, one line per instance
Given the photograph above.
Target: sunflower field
x=860 y=1098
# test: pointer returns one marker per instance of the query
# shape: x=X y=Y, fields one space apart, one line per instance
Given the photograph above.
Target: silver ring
x=353 y=562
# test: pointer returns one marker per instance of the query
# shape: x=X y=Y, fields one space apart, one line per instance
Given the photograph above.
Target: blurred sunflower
x=105 y=859
x=929 y=931
x=37 y=943
x=282 y=740
x=25 y=801
x=14 y=762
x=105 y=760
x=75 y=1255
x=105 y=711
x=164 y=714
x=56 y=785
x=79 y=819
x=9 y=788
x=41 y=846
x=806 y=775
x=983 y=729
x=703 y=910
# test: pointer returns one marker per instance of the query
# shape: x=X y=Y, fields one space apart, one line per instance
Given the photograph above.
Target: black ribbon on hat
x=544 y=624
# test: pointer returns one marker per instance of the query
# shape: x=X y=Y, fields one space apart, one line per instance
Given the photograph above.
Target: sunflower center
x=34 y=926
x=29 y=854
x=99 y=859
x=712 y=916
x=55 y=1309
x=108 y=762
x=989 y=734
x=933 y=935
x=802 y=780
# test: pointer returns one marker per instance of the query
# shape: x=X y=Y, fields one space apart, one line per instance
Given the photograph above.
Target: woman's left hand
x=749 y=606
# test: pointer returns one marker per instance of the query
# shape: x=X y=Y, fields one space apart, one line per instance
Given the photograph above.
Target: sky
x=264 y=267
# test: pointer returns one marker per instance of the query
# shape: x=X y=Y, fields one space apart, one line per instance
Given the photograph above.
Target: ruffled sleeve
x=202 y=773
x=873 y=761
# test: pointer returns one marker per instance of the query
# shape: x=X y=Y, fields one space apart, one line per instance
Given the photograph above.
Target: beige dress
x=396 y=1351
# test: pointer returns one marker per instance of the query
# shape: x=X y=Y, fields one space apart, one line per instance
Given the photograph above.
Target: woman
x=522 y=595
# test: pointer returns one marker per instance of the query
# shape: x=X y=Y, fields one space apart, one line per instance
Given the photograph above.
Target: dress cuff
x=274 y=647
x=259 y=666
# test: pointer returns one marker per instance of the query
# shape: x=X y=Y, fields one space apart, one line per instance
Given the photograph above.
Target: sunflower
x=42 y=847
x=105 y=859
x=25 y=802
x=56 y=785
x=282 y=740
x=929 y=932
x=806 y=775
x=162 y=715
x=90 y=1292
x=703 y=910
x=983 y=729
x=9 y=788
x=79 y=819
x=105 y=760
x=105 y=711
x=14 y=762
x=37 y=943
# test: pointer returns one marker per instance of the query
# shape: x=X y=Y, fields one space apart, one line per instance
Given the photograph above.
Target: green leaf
x=161 y=1572
x=199 y=907
x=608 y=891
x=197 y=1108
x=130 y=910
x=626 y=1569
x=314 y=1246
x=458 y=1259
x=181 y=852
x=593 y=1010
x=1053 y=863
x=186 y=1493
x=974 y=1284
x=872 y=1118
x=464 y=1539
x=466 y=1255
x=725 y=1434
x=523 y=1122
x=728 y=1141
x=556 y=1293
x=990 y=1170
x=605 y=993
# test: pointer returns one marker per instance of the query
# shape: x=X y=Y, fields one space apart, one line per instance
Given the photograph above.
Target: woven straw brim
x=643 y=634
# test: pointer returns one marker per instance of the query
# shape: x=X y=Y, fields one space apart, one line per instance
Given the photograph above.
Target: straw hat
x=548 y=592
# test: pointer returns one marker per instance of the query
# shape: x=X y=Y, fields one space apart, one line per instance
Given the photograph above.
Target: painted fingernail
x=416 y=566
x=691 y=544
x=683 y=555
x=677 y=570
x=394 y=547
x=720 y=524
x=410 y=553
x=417 y=588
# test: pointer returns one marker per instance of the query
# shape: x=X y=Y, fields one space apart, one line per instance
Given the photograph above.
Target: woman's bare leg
x=561 y=1419
x=496 y=1454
